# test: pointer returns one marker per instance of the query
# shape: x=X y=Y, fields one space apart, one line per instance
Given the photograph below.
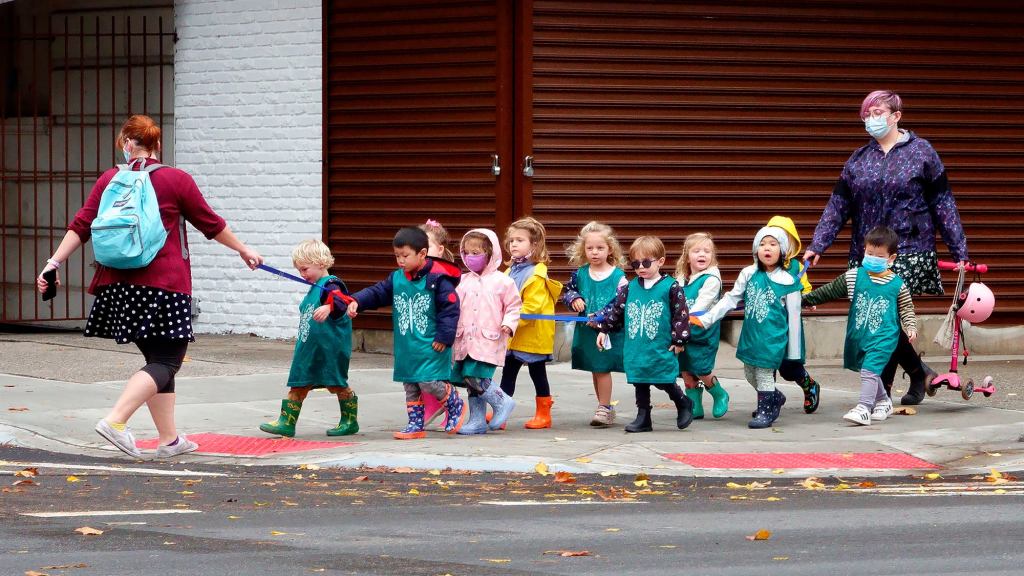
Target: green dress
x=414 y=319
x=470 y=367
x=597 y=294
x=699 y=355
x=765 y=333
x=873 y=324
x=322 y=349
x=648 y=328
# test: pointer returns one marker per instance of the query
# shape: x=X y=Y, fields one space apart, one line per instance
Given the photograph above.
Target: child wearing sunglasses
x=771 y=320
x=652 y=310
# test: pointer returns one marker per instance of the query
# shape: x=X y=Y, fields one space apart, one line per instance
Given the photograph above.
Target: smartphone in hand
x=51 y=284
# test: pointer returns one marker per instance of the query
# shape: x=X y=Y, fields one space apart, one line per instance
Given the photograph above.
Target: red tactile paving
x=232 y=445
x=844 y=460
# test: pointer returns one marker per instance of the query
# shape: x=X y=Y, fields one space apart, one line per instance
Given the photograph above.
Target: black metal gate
x=69 y=79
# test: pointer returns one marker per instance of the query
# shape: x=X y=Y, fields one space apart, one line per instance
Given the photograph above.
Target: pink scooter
x=974 y=305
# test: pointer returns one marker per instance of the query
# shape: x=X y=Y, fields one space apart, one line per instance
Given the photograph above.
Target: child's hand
x=601 y=338
x=912 y=336
x=579 y=305
x=507 y=331
x=353 y=309
x=676 y=349
x=438 y=347
x=696 y=321
x=321 y=313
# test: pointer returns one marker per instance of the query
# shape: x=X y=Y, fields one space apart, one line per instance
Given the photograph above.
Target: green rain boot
x=721 y=397
x=285 y=425
x=347 y=424
x=696 y=396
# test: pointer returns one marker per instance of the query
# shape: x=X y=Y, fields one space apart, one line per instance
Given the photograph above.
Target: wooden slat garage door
x=674 y=117
x=413 y=114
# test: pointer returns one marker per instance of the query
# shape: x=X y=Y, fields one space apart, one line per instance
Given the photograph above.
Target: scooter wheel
x=967 y=389
x=986 y=394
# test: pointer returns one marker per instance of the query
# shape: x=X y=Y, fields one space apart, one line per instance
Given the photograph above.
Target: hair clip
x=432 y=222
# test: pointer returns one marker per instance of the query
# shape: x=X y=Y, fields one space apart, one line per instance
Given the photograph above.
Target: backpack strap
x=152 y=167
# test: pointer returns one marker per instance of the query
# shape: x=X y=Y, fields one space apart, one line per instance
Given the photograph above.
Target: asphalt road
x=264 y=520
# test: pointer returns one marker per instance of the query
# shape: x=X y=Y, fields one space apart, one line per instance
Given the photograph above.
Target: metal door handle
x=495 y=165
x=528 y=166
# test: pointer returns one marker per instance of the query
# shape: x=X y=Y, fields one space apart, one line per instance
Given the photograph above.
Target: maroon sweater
x=178 y=196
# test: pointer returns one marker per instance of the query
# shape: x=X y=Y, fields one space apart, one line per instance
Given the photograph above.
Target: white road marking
x=110 y=513
x=72 y=466
x=556 y=502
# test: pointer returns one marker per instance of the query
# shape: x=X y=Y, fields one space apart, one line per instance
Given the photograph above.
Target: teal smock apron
x=648 y=328
x=765 y=333
x=699 y=355
x=597 y=294
x=873 y=324
x=414 y=321
x=322 y=349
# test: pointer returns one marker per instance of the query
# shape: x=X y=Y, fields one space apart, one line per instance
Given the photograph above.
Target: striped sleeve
x=905 y=307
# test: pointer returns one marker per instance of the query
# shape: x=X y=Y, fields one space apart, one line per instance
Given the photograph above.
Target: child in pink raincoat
x=489 y=316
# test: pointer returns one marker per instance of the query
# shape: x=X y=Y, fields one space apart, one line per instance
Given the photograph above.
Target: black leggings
x=643 y=393
x=905 y=356
x=163 y=360
x=538 y=373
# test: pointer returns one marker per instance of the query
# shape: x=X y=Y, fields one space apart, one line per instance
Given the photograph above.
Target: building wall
x=248 y=103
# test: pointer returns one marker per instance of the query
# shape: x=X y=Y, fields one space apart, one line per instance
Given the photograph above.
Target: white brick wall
x=248 y=117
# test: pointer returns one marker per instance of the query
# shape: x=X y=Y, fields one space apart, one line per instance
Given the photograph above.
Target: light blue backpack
x=128 y=231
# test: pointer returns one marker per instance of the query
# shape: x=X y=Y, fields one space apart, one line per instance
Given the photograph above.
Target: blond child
x=489 y=317
x=534 y=340
x=437 y=239
x=323 y=346
x=771 y=320
x=598 y=257
x=652 y=311
x=697 y=272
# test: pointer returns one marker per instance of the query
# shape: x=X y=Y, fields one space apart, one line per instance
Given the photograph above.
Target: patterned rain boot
x=476 y=423
x=812 y=393
x=501 y=404
x=684 y=412
x=414 y=429
x=347 y=424
x=453 y=406
x=432 y=410
x=762 y=416
x=721 y=397
x=642 y=423
x=542 y=418
x=285 y=424
x=778 y=401
x=696 y=395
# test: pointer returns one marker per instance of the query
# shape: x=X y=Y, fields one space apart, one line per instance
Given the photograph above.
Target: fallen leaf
x=760 y=535
x=737 y=497
x=360 y=478
x=667 y=546
x=403 y=470
x=18 y=409
x=186 y=492
x=434 y=472
x=567 y=553
x=73 y=479
x=905 y=410
x=812 y=483
x=34 y=573
x=497 y=560
x=414 y=492
x=999 y=491
x=750 y=486
x=933 y=476
x=234 y=517
x=609 y=473
x=613 y=529
x=297 y=476
x=642 y=480
x=779 y=471
x=780 y=557
x=541 y=469
x=25 y=482
x=87 y=531
x=168 y=543
x=27 y=472
x=995 y=454
x=564 y=478
x=583 y=460
x=842 y=486
x=560 y=439
x=772 y=499
x=309 y=467
x=66 y=566
x=277 y=533
x=867 y=484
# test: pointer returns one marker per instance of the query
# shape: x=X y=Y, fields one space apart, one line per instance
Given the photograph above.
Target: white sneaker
x=123 y=441
x=184 y=446
x=859 y=414
x=882 y=410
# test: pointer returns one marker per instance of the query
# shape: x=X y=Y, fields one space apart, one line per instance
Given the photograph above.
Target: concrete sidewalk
x=56 y=386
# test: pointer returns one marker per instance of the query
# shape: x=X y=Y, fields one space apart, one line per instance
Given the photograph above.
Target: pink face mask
x=475 y=262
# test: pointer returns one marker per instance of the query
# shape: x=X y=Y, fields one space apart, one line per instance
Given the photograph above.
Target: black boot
x=642 y=422
x=684 y=412
x=915 y=395
x=812 y=394
x=762 y=416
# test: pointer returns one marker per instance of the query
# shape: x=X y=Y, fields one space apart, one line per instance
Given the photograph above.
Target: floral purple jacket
x=905 y=189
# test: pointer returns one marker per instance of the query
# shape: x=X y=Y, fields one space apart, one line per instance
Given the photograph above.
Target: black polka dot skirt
x=128 y=313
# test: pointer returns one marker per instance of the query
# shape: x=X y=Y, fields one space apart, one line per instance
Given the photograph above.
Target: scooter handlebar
x=970 y=267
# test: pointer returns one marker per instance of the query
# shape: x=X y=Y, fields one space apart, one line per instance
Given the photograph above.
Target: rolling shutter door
x=669 y=118
x=412 y=119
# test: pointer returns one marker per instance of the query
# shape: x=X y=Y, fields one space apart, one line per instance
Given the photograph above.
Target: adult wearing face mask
x=895 y=180
x=150 y=306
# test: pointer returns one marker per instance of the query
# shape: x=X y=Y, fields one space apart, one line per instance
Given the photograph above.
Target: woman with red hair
x=149 y=306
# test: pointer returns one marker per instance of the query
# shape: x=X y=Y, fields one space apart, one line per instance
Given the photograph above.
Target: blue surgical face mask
x=877 y=126
x=875 y=264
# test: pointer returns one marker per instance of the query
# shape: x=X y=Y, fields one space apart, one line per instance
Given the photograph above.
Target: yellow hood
x=787 y=224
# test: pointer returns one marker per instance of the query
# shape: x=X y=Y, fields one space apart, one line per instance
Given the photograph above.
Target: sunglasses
x=645 y=263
